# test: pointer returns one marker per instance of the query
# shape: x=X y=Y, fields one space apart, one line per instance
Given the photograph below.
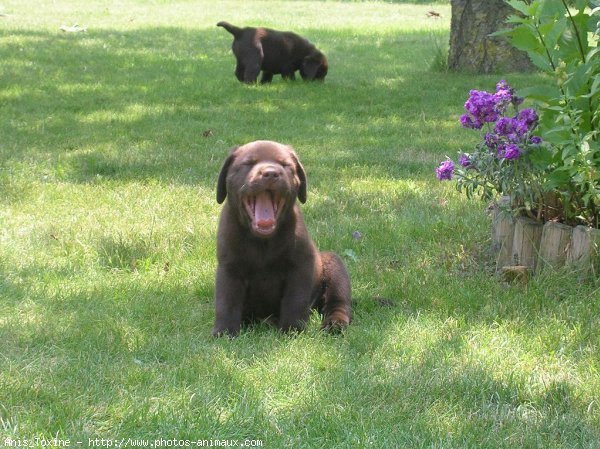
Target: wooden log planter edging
x=584 y=252
x=555 y=242
x=503 y=229
x=525 y=244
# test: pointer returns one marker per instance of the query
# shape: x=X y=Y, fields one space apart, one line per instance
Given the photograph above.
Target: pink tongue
x=263 y=210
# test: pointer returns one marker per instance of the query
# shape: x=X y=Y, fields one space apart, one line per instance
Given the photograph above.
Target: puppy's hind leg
x=337 y=297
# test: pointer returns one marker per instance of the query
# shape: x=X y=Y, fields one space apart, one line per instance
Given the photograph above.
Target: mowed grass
x=111 y=142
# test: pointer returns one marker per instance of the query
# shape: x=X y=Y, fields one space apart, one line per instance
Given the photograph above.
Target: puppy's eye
x=248 y=162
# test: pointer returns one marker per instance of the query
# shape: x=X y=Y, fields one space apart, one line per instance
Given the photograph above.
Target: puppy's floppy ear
x=302 y=176
x=222 y=182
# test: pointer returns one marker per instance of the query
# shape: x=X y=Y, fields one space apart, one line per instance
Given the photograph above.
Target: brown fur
x=274 y=52
x=268 y=266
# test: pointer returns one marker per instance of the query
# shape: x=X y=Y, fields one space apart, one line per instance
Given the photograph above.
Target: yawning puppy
x=268 y=266
x=274 y=52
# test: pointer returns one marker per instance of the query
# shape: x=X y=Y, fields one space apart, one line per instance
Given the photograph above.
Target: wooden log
x=503 y=229
x=526 y=242
x=584 y=252
x=556 y=239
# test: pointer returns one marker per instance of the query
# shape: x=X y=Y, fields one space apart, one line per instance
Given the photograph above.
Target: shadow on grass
x=133 y=359
x=155 y=103
x=435 y=399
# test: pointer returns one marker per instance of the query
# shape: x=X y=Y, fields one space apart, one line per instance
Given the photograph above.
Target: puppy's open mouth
x=263 y=210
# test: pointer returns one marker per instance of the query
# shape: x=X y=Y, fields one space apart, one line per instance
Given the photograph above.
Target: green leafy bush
x=562 y=40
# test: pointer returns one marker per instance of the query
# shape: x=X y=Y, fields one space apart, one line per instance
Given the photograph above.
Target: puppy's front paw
x=223 y=331
x=336 y=323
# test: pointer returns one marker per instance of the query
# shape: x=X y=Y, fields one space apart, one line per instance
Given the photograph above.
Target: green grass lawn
x=107 y=241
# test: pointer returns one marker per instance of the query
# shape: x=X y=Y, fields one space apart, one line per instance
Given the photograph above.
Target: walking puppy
x=274 y=52
x=268 y=266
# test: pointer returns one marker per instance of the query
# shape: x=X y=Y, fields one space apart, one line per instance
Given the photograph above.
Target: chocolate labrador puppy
x=274 y=52
x=268 y=266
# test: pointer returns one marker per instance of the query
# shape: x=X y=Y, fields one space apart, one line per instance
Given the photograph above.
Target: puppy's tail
x=231 y=28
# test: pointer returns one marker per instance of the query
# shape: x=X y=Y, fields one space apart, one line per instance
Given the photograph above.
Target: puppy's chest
x=265 y=283
x=267 y=255
x=266 y=271
x=264 y=290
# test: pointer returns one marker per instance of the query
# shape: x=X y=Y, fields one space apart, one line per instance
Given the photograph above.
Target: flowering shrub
x=560 y=177
x=504 y=162
x=561 y=38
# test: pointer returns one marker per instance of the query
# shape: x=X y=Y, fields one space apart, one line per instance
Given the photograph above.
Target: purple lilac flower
x=491 y=140
x=510 y=151
x=504 y=95
x=511 y=128
x=445 y=170
x=503 y=99
x=535 y=140
x=468 y=122
x=529 y=117
x=502 y=85
x=464 y=160
x=505 y=126
x=482 y=106
x=522 y=128
x=517 y=136
x=507 y=94
x=500 y=150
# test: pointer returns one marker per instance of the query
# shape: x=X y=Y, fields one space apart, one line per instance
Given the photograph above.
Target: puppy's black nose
x=270 y=173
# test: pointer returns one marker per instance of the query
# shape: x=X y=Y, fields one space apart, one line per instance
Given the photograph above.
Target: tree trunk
x=471 y=47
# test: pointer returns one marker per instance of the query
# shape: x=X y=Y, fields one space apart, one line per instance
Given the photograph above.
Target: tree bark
x=471 y=47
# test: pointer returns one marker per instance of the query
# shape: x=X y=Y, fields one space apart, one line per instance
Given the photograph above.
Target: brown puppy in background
x=268 y=266
x=274 y=52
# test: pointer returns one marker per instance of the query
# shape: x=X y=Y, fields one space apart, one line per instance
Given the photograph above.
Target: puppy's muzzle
x=270 y=173
x=265 y=199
